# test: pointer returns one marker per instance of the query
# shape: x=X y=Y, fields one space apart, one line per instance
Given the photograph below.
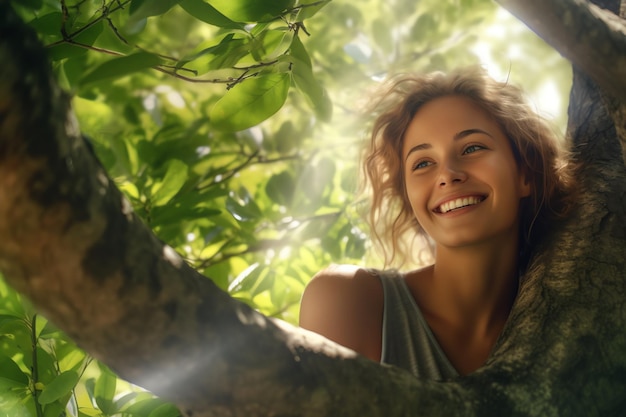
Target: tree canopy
x=233 y=129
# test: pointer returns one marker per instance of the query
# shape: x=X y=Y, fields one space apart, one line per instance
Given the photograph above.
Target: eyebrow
x=457 y=136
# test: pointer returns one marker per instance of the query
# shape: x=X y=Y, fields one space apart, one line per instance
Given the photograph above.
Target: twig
x=120 y=5
x=35 y=367
x=232 y=172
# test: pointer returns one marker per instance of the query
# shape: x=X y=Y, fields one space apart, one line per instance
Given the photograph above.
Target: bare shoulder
x=349 y=278
x=345 y=304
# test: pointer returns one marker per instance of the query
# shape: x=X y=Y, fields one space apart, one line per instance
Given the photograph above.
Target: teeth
x=458 y=203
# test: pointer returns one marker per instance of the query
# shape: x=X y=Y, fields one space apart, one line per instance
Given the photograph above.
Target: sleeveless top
x=408 y=341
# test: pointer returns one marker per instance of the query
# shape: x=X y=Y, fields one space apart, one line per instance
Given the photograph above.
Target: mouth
x=458 y=203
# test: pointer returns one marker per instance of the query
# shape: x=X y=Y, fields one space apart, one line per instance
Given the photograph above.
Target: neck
x=477 y=284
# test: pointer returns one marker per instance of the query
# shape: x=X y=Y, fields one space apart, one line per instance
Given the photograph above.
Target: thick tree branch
x=591 y=35
x=592 y=38
x=71 y=243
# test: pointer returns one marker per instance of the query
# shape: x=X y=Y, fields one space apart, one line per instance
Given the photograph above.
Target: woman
x=463 y=160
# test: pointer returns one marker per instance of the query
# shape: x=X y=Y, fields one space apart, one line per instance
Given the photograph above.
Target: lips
x=457 y=203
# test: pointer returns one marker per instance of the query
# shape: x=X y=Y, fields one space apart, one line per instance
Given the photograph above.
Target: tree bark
x=70 y=242
x=591 y=36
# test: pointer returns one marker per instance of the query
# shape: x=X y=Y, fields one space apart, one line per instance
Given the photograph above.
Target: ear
x=525 y=185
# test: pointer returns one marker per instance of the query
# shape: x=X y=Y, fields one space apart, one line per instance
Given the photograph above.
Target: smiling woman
x=462 y=160
x=461 y=178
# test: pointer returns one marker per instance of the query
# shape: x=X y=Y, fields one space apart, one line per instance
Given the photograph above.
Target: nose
x=450 y=173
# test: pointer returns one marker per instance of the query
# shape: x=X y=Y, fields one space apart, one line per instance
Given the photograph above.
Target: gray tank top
x=407 y=341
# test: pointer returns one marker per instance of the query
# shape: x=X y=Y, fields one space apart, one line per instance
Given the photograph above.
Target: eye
x=420 y=165
x=472 y=149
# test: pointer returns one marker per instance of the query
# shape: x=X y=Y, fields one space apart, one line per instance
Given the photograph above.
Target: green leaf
x=423 y=27
x=41 y=323
x=280 y=188
x=47 y=366
x=90 y=386
x=223 y=55
x=89 y=412
x=32 y=4
x=74 y=68
x=140 y=9
x=272 y=44
x=174 y=179
x=69 y=356
x=306 y=12
x=355 y=246
x=86 y=37
x=250 y=102
x=313 y=183
x=299 y=52
x=307 y=84
x=265 y=283
x=165 y=410
x=11 y=306
x=332 y=247
x=7 y=318
x=242 y=212
x=48 y=24
x=285 y=139
x=252 y=10
x=122 y=401
x=61 y=386
x=53 y=410
x=208 y=14
x=317 y=228
x=11 y=372
x=383 y=35
x=246 y=279
x=189 y=206
x=119 y=67
x=166 y=215
x=15 y=336
x=104 y=390
x=144 y=407
x=12 y=403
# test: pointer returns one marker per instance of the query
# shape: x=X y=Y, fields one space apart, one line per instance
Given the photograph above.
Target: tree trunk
x=591 y=36
x=70 y=242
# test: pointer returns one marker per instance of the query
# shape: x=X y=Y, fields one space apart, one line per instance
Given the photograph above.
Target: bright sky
x=546 y=97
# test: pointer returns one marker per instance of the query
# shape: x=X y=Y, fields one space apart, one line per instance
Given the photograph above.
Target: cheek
x=513 y=188
x=500 y=173
x=417 y=201
x=517 y=183
x=419 y=189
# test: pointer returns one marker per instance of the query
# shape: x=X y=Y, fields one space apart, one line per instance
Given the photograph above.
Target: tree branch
x=70 y=242
x=593 y=39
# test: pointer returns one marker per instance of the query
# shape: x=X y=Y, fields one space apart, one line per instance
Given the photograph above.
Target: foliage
x=214 y=118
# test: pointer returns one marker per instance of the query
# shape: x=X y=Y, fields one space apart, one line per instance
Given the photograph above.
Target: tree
x=67 y=232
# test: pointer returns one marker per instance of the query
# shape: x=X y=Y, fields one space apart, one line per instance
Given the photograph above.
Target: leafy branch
x=107 y=10
x=252 y=159
x=173 y=68
x=35 y=368
x=263 y=245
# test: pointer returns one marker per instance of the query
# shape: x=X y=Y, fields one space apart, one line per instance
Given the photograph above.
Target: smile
x=458 y=203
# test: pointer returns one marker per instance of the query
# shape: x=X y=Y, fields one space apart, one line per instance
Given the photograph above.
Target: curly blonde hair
x=535 y=146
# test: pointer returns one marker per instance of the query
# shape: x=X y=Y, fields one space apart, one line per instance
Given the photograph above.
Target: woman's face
x=460 y=174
